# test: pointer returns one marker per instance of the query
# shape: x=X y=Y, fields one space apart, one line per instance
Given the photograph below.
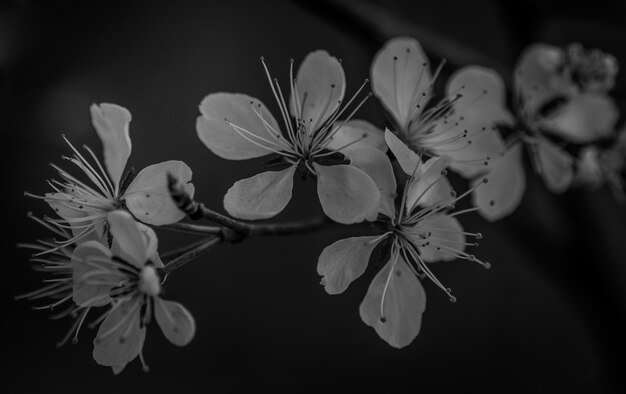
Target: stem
x=191 y=254
x=193 y=228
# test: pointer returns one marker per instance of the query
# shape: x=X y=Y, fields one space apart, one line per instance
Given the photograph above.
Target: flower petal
x=537 y=79
x=400 y=75
x=175 y=321
x=120 y=337
x=344 y=261
x=430 y=186
x=586 y=117
x=356 y=134
x=91 y=277
x=148 y=197
x=261 y=196
x=347 y=194
x=321 y=85
x=444 y=237
x=505 y=186
x=131 y=242
x=238 y=109
x=111 y=123
x=403 y=304
x=481 y=106
x=377 y=166
x=407 y=159
x=556 y=166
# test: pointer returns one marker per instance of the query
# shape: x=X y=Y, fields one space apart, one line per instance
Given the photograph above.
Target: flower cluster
x=105 y=254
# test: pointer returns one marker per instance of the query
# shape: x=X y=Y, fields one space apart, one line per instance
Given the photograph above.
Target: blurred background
x=549 y=316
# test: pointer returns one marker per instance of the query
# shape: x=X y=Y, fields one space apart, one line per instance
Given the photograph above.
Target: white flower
x=456 y=126
x=238 y=127
x=127 y=278
x=83 y=204
x=420 y=232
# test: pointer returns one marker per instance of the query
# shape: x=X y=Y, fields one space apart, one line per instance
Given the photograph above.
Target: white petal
x=130 y=240
x=400 y=75
x=239 y=109
x=537 y=77
x=585 y=118
x=505 y=186
x=148 y=196
x=357 y=130
x=429 y=186
x=482 y=105
x=377 y=166
x=445 y=232
x=111 y=123
x=407 y=159
x=556 y=166
x=261 y=196
x=321 y=85
x=347 y=194
x=404 y=304
x=175 y=321
x=344 y=261
x=92 y=283
x=125 y=341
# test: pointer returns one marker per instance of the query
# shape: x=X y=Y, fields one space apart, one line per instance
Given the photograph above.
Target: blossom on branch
x=83 y=204
x=314 y=141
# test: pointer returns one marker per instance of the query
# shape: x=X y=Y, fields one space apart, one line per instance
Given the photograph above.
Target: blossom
x=238 y=127
x=83 y=205
x=127 y=278
x=555 y=94
x=421 y=231
x=455 y=126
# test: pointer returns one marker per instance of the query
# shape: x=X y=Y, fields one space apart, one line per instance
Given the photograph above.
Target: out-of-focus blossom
x=559 y=93
x=457 y=125
x=127 y=278
x=421 y=231
x=83 y=204
x=238 y=127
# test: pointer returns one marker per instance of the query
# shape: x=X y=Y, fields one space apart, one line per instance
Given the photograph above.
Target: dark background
x=549 y=316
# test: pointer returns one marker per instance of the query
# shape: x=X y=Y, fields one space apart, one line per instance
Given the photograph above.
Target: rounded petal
x=261 y=196
x=228 y=142
x=505 y=186
x=132 y=245
x=344 y=261
x=347 y=194
x=120 y=337
x=377 y=166
x=408 y=160
x=175 y=321
x=537 y=78
x=148 y=197
x=91 y=277
x=403 y=304
x=357 y=134
x=400 y=75
x=111 y=123
x=443 y=238
x=321 y=85
x=586 y=117
x=480 y=104
x=556 y=166
x=430 y=185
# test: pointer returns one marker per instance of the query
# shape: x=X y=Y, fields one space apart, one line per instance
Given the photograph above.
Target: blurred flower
x=420 y=232
x=456 y=126
x=83 y=205
x=556 y=92
x=598 y=165
x=127 y=278
x=239 y=127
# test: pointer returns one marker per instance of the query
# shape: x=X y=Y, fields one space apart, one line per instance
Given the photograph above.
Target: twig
x=192 y=228
x=191 y=254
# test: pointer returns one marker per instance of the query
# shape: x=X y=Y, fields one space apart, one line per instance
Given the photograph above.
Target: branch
x=191 y=254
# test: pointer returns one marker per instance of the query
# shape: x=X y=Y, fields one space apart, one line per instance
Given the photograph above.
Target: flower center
x=149 y=282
